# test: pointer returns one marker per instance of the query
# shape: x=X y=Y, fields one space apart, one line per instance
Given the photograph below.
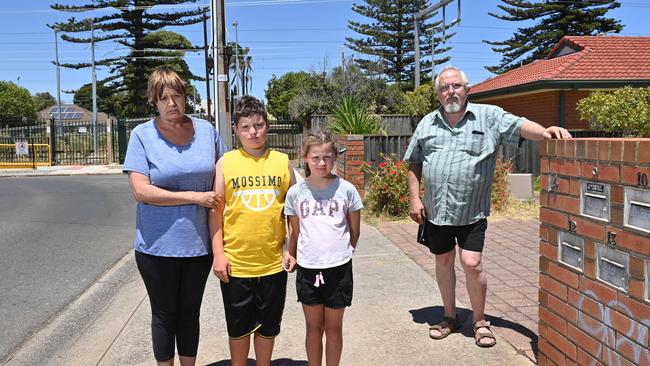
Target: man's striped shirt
x=458 y=162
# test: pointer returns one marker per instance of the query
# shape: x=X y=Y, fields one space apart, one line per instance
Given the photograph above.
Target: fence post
x=109 y=142
x=121 y=139
x=51 y=129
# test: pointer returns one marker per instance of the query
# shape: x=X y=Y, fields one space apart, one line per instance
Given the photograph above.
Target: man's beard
x=453 y=107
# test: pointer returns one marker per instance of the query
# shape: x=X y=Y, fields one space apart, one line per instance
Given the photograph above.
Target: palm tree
x=241 y=80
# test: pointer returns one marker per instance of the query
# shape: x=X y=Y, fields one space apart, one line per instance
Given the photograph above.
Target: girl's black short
x=332 y=289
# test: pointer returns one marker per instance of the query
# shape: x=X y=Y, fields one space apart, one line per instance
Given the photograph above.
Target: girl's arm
x=144 y=192
x=220 y=264
x=292 y=176
x=354 y=221
x=290 y=255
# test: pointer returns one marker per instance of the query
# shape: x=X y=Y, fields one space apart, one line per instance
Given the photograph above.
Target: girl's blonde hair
x=317 y=139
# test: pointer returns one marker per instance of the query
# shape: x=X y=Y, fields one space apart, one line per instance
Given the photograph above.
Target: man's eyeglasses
x=456 y=86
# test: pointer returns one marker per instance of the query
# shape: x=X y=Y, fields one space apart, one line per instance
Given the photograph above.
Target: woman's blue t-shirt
x=174 y=231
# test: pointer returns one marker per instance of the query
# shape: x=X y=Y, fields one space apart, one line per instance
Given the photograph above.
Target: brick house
x=546 y=91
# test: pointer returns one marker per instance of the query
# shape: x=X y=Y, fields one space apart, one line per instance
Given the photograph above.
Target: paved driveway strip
x=511 y=261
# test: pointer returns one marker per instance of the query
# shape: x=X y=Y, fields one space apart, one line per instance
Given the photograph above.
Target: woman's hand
x=221 y=267
x=208 y=199
x=289 y=262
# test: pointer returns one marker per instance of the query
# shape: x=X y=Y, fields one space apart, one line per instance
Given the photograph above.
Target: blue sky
x=283 y=35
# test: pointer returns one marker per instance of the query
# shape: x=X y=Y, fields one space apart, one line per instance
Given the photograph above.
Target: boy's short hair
x=249 y=106
x=164 y=77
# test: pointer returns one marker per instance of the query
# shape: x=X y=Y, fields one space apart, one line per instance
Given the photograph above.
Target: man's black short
x=254 y=305
x=442 y=239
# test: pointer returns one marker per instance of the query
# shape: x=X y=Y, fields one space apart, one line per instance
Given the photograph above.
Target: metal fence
x=375 y=146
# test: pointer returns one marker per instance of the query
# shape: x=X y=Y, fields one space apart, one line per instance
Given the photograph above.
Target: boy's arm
x=220 y=264
x=354 y=220
x=290 y=255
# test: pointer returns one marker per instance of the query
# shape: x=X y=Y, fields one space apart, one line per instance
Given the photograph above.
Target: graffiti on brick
x=635 y=334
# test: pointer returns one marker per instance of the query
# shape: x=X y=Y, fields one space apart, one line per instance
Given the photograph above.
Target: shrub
x=500 y=192
x=387 y=191
x=420 y=102
x=625 y=110
x=351 y=117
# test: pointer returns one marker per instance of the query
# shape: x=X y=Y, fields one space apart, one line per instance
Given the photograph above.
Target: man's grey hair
x=451 y=67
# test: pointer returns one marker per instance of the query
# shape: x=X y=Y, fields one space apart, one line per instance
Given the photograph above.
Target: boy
x=248 y=235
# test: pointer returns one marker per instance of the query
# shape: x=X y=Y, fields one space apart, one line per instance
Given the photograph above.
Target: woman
x=171 y=163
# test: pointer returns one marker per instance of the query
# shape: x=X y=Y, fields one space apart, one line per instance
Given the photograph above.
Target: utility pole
x=194 y=105
x=207 y=68
x=92 y=47
x=421 y=15
x=58 y=77
x=221 y=113
x=343 y=58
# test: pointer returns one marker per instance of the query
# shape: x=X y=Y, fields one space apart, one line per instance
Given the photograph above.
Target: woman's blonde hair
x=164 y=77
x=317 y=139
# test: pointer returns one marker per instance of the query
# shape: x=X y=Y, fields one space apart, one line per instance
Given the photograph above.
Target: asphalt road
x=57 y=236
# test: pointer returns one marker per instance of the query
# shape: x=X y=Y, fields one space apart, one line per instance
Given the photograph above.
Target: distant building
x=70 y=113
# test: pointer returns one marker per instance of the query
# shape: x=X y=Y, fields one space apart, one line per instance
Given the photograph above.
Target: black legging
x=175 y=287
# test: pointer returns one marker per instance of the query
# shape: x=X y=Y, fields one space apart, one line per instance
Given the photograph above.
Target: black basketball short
x=254 y=305
x=442 y=239
x=331 y=287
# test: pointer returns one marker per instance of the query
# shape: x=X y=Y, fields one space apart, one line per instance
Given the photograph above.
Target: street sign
x=22 y=148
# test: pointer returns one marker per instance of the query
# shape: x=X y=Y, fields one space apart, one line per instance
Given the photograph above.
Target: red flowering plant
x=387 y=187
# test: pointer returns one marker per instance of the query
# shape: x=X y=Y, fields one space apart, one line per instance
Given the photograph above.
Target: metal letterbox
x=594 y=200
x=571 y=250
x=613 y=267
x=637 y=208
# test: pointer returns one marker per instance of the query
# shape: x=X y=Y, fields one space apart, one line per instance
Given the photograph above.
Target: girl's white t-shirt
x=324 y=239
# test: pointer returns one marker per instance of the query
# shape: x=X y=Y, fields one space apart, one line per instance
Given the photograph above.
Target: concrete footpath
x=62 y=170
x=395 y=301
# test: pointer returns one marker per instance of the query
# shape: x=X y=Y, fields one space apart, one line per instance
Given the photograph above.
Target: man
x=454 y=149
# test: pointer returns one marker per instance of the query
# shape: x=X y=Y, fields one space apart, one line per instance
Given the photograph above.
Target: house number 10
x=642 y=179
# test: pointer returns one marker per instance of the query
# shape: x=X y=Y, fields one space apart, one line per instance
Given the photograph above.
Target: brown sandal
x=445 y=327
x=478 y=336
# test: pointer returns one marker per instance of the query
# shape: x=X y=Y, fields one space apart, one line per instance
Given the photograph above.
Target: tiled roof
x=592 y=58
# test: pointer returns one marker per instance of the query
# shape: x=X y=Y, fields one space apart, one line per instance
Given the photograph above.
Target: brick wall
x=348 y=165
x=544 y=107
x=583 y=319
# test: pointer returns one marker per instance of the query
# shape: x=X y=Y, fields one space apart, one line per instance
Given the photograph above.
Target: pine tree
x=129 y=25
x=390 y=39
x=555 y=19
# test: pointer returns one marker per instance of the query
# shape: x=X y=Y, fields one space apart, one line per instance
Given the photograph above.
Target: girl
x=324 y=216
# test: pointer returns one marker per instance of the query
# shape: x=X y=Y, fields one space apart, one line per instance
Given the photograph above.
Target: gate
x=283 y=136
x=121 y=133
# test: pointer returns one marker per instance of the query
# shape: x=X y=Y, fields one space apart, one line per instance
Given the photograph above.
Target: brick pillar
x=587 y=316
x=349 y=163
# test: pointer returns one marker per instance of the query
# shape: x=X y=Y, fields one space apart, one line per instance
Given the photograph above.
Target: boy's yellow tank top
x=254 y=226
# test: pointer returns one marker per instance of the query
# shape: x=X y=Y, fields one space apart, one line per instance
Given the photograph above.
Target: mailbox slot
x=571 y=250
x=594 y=200
x=637 y=209
x=613 y=267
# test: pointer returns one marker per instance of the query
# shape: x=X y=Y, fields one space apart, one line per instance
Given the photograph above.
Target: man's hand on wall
x=557 y=133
